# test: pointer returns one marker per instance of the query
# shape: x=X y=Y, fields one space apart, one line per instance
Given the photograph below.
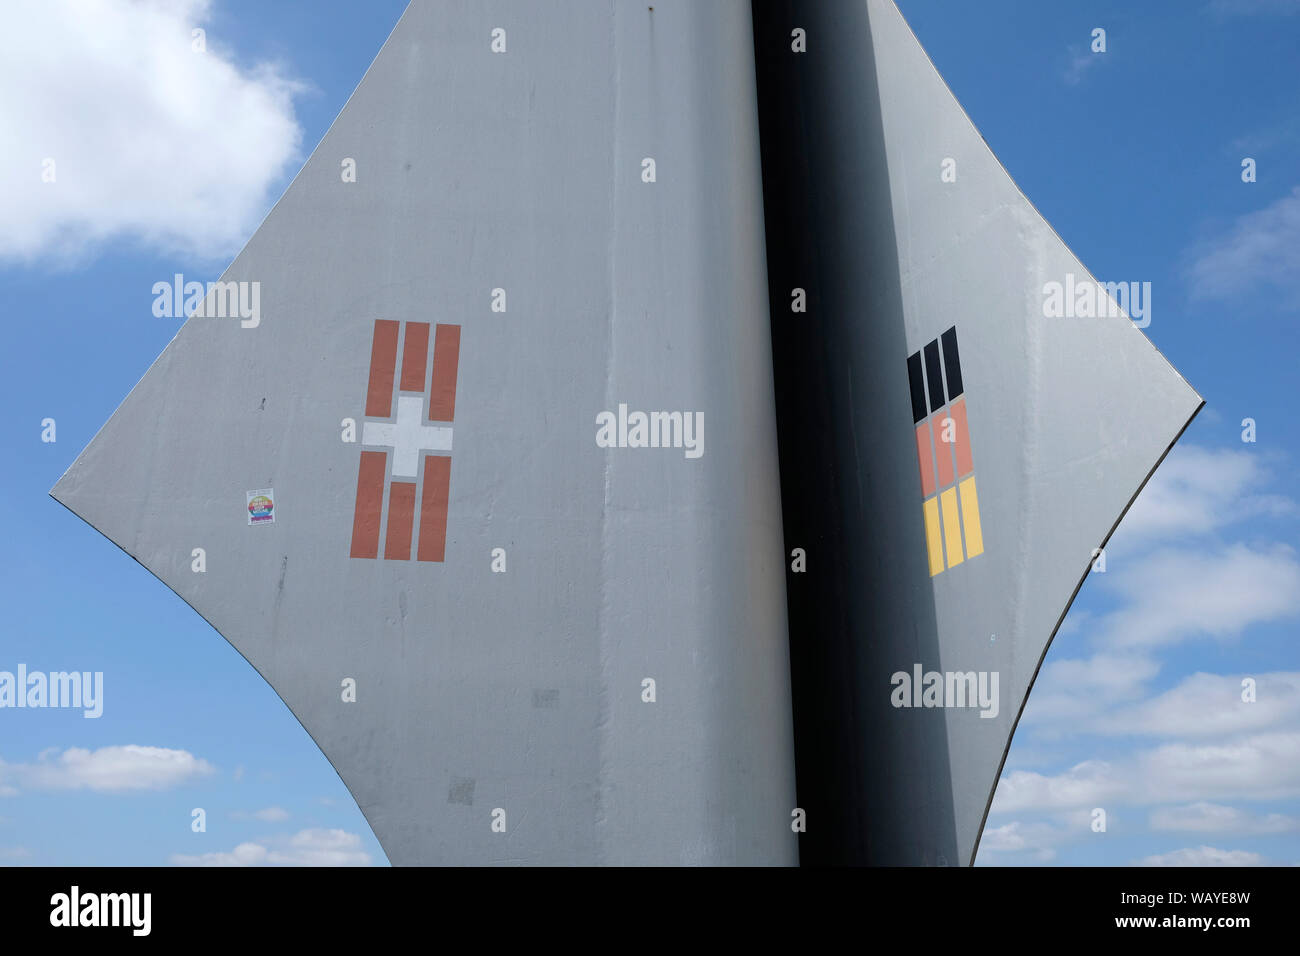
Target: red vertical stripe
x=370 y=503
x=401 y=517
x=415 y=356
x=943 y=449
x=926 y=457
x=383 y=363
x=965 y=464
x=446 y=357
x=433 y=504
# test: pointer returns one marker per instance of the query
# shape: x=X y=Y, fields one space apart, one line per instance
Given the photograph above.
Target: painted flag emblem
x=411 y=460
x=950 y=505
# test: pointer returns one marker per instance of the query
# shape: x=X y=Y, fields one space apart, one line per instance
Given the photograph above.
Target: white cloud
x=316 y=847
x=1081 y=60
x=266 y=815
x=1172 y=580
x=150 y=140
x=1279 y=135
x=246 y=854
x=1261 y=251
x=1173 y=595
x=1035 y=840
x=1210 y=705
x=15 y=853
x=1070 y=694
x=1203 y=856
x=1197 y=490
x=1023 y=842
x=107 y=770
x=1107 y=694
x=1205 y=817
x=1258 y=767
x=1084 y=785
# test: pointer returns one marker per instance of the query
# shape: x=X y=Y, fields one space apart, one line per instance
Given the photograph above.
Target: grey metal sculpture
x=489 y=488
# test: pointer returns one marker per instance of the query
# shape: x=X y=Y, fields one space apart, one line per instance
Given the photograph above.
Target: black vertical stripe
x=918 y=386
x=934 y=375
x=952 y=362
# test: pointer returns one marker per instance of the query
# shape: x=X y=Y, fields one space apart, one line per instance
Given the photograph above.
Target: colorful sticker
x=261 y=507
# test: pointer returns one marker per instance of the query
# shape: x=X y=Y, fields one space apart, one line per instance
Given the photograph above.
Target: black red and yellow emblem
x=950 y=504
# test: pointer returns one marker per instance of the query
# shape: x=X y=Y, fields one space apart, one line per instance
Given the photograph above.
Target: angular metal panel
x=1062 y=420
x=475 y=690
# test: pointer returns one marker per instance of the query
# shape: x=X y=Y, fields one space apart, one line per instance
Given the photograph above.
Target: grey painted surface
x=520 y=690
x=1068 y=416
x=1067 y=419
x=523 y=690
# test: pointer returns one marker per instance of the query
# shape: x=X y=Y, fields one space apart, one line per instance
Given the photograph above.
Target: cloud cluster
x=106 y=770
x=1255 y=767
x=1203 y=856
x=1196 y=491
x=265 y=815
x=1260 y=252
x=1172 y=580
x=314 y=847
x=143 y=136
x=1205 y=817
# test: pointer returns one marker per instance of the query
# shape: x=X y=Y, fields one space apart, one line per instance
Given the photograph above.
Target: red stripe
x=943 y=449
x=433 y=506
x=370 y=503
x=446 y=357
x=415 y=356
x=965 y=463
x=401 y=516
x=383 y=363
x=926 y=457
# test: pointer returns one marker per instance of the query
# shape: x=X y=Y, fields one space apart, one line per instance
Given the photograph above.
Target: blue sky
x=1133 y=155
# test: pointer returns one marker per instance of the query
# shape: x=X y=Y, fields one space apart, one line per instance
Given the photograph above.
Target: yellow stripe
x=932 y=535
x=970 y=514
x=951 y=528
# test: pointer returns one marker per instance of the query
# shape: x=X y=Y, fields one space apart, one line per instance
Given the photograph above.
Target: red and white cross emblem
x=407 y=438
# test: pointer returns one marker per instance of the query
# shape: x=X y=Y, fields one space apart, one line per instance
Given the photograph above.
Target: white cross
x=408 y=436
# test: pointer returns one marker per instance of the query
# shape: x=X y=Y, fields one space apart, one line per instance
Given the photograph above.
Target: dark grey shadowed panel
x=1067 y=419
